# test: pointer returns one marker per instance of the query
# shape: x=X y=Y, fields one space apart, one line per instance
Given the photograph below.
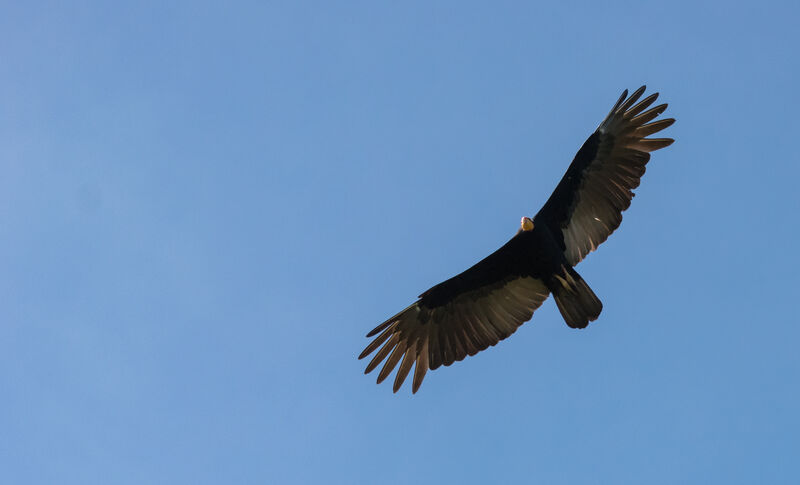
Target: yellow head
x=526 y=224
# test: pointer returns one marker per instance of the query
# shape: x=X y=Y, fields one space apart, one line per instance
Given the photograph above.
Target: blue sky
x=205 y=207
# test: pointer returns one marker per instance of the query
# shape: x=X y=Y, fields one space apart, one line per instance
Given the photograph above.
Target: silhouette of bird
x=488 y=302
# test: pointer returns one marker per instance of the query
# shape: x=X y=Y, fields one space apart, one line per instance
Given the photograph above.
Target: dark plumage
x=489 y=301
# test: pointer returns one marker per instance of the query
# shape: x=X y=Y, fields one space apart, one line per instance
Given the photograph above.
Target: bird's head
x=526 y=224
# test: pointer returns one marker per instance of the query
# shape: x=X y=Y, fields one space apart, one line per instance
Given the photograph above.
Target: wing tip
x=667 y=122
x=621 y=99
x=666 y=141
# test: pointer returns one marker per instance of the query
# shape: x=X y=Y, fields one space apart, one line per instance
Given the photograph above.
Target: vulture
x=489 y=301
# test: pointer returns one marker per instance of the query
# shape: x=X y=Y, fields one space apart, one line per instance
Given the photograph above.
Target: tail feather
x=575 y=300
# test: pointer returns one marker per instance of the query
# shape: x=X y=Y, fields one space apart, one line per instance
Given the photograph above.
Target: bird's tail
x=576 y=301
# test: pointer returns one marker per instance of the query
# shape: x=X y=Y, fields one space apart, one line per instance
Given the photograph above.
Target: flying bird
x=488 y=302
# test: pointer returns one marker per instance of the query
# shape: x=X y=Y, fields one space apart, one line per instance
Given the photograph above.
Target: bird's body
x=533 y=253
x=489 y=301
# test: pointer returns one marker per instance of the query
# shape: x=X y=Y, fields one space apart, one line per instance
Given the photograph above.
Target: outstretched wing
x=586 y=206
x=458 y=317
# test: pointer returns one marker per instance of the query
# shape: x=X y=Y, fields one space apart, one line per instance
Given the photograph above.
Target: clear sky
x=205 y=207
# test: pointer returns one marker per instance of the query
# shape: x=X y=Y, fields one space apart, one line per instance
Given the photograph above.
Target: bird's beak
x=526 y=224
